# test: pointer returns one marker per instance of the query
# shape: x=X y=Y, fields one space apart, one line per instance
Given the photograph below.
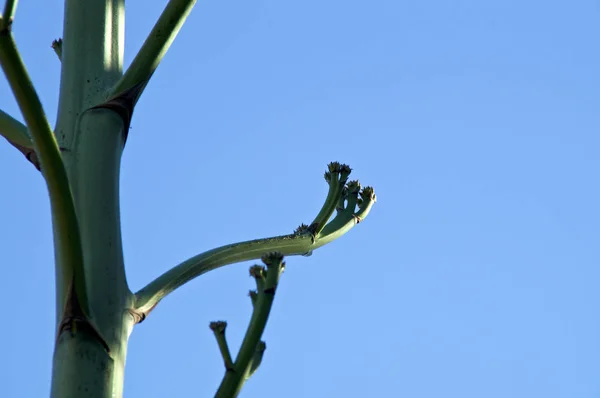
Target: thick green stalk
x=92 y=54
x=92 y=60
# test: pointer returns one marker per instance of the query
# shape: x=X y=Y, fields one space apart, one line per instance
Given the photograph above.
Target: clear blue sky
x=476 y=274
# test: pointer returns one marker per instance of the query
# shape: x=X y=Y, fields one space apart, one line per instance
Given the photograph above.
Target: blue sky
x=476 y=273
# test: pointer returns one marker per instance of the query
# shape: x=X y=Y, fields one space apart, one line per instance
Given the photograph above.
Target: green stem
x=148 y=297
x=14 y=131
x=234 y=379
x=294 y=244
x=218 y=329
x=9 y=14
x=156 y=45
x=61 y=199
x=336 y=178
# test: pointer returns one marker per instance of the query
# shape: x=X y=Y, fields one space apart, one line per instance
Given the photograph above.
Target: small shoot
x=57 y=47
x=257 y=358
x=336 y=176
x=366 y=201
x=218 y=328
x=252 y=349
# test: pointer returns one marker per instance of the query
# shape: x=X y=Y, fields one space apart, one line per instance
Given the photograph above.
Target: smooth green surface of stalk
x=92 y=56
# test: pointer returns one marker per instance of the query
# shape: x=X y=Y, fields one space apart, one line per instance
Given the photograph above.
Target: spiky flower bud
x=257 y=271
x=218 y=326
x=303 y=228
x=368 y=193
x=334 y=167
x=272 y=259
x=56 y=43
x=353 y=186
x=345 y=171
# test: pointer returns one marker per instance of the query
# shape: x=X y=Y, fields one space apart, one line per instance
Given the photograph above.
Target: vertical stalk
x=92 y=144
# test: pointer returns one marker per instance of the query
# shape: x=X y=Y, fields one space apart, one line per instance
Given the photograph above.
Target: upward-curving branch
x=155 y=47
x=302 y=242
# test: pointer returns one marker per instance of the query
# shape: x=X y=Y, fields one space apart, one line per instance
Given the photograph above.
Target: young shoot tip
x=334 y=167
x=340 y=170
x=257 y=271
x=273 y=259
x=218 y=326
x=253 y=294
x=368 y=193
x=353 y=186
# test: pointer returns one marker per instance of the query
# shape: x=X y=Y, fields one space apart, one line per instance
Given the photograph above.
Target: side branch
x=61 y=200
x=252 y=348
x=302 y=242
x=17 y=135
x=156 y=45
x=10 y=6
x=14 y=131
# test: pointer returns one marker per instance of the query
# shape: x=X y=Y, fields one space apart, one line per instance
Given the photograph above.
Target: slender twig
x=218 y=328
x=301 y=242
x=156 y=45
x=267 y=286
x=61 y=199
x=14 y=131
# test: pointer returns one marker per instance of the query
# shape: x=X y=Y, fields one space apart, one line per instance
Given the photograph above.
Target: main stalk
x=89 y=357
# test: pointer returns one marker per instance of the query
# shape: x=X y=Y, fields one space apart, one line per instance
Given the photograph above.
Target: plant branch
x=302 y=242
x=267 y=281
x=218 y=328
x=17 y=135
x=64 y=217
x=10 y=6
x=336 y=178
x=156 y=45
x=14 y=131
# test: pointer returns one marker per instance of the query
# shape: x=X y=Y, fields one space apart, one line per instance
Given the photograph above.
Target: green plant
x=80 y=162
